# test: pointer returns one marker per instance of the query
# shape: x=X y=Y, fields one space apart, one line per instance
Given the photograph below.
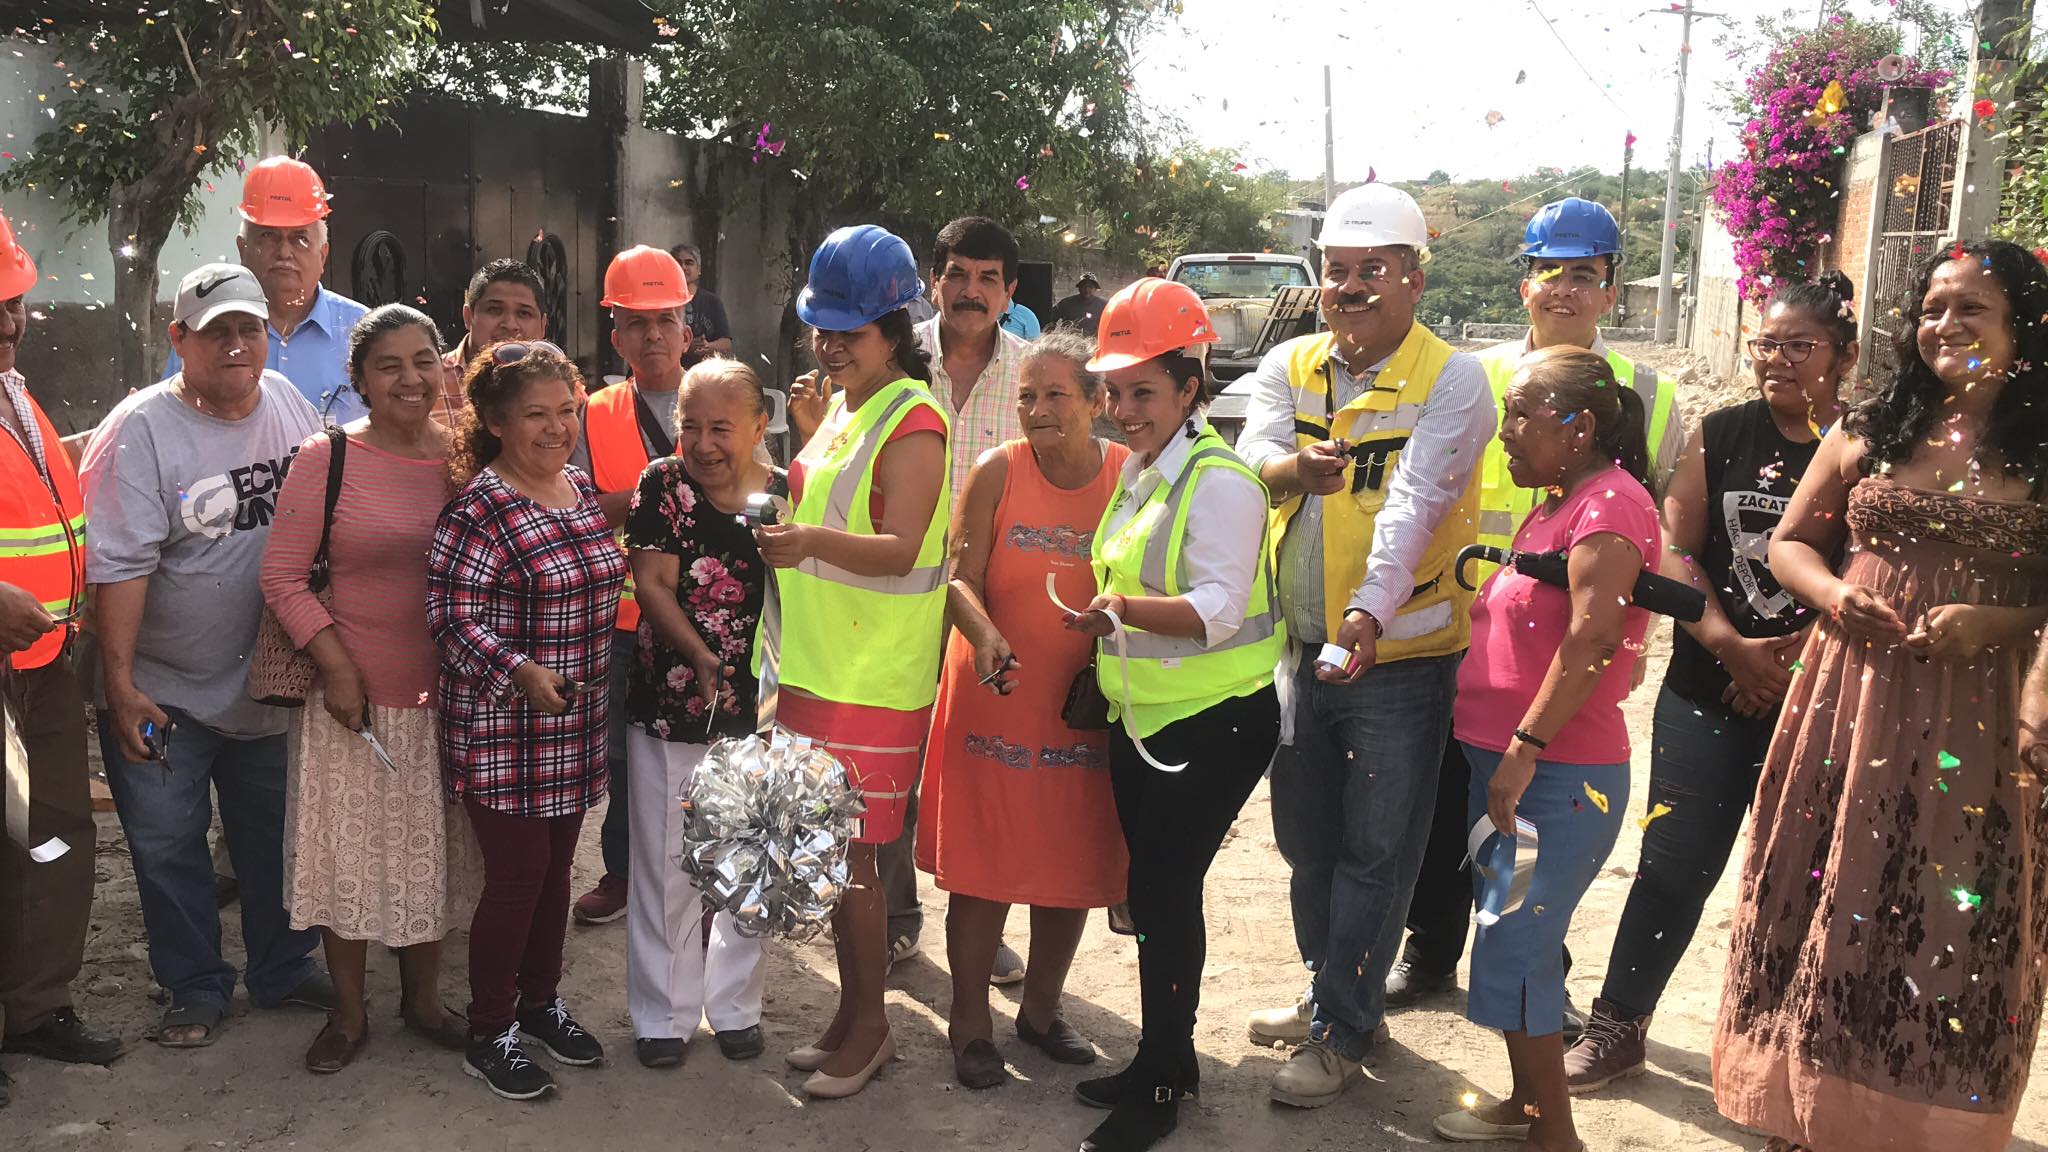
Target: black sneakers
x=560 y=1036
x=499 y=1062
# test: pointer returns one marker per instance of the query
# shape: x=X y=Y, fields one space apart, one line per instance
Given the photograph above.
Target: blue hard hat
x=858 y=275
x=1569 y=229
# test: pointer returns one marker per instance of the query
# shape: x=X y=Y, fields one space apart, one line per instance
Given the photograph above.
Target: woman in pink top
x=1539 y=716
x=373 y=850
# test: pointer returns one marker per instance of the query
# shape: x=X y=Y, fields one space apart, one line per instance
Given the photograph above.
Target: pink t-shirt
x=1519 y=623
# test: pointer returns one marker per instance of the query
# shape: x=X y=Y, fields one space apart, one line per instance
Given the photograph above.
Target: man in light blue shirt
x=283 y=240
x=1020 y=321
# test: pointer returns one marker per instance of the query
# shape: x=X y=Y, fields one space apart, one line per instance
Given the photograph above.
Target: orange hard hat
x=1148 y=318
x=17 y=271
x=645 y=280
x=281 y=192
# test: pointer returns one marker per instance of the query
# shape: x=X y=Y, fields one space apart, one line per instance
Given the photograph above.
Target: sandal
x=333 y=1050
x=205 y=1017
x=452 y=1032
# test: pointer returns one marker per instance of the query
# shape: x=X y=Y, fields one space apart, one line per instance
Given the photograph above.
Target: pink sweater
x=383 y=526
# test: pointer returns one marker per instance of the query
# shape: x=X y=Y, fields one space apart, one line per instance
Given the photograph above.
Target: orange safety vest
x=42 y=534
x=617 y=458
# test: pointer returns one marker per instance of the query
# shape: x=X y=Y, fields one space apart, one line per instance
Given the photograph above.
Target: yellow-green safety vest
x=841 y=636
x=1175 y=677
x=1502 y=505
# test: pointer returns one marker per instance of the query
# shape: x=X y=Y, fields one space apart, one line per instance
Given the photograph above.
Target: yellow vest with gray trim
x=1175 y=677
x=853 y=639
x=1502 y=505
x=1436 y=620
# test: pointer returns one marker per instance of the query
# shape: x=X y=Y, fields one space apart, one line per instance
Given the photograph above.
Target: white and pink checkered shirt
x=990 y=415
x=25 y=430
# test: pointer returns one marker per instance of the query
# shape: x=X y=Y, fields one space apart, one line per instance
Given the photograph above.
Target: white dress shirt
x=1220 y=555
x=1447 y=444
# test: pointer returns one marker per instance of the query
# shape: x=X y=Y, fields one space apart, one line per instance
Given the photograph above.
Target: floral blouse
x=721 y=586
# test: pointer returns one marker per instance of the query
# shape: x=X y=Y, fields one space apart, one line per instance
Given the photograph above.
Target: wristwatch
x=1378 y=632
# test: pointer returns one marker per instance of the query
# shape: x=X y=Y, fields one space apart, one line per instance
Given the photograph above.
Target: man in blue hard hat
x=1571 y=251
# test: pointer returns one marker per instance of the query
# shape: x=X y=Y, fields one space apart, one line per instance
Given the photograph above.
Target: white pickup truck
x=1237 y=288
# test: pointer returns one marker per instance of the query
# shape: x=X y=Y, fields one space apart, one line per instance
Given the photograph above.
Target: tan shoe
x=1469 y=1128
x=1287 y=1025
x=1314 y=1076
x=823 y=1087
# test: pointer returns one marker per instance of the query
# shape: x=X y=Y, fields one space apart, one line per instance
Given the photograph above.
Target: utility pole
x=1667 y=300
x=1329 y=145
x=1628 y=155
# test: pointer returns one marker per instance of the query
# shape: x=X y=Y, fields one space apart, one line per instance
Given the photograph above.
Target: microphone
x=1656 y=593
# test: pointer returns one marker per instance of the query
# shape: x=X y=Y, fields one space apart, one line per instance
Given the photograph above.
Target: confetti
x=1947 y=761
x=1966 y=900
x=1598 y=797
x=1656 y=812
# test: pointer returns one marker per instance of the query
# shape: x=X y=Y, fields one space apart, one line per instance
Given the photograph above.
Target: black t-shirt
x=1752 y=471
x=721 y=585
x=1078 y=311
x=705 y=315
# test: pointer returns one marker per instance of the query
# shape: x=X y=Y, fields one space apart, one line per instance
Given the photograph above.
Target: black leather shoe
x=661 y=1051
x=1407 y=984
x=741 y=1043
x=64 y=1037
x=1108 y=1091
x=1136 y=1125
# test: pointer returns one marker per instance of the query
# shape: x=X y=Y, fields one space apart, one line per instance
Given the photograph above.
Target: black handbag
x=1086 y=709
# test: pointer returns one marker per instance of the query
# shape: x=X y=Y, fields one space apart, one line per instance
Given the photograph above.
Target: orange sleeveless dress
x=1016 y=805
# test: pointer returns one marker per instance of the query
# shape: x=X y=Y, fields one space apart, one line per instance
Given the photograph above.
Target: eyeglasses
x=269 y=242
x=513 y=351
x=1796 y=351
x=1563 y=280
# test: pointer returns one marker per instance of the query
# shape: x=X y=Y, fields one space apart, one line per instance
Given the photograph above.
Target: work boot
x=1610 y=1048
x=1287 y=1025
x=64 y=1037
x=1315 y=1075
x=1407 y=984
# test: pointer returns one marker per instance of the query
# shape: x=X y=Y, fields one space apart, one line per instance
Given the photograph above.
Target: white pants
x=672 y=980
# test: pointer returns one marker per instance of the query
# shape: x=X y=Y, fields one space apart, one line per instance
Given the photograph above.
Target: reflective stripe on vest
x=1502 y=505
x=1174 y=677
x=842 y=636
x=42 y=534
x=618 y=456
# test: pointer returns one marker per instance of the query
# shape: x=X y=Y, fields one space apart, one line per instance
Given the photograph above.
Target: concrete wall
x=64 y=355
x=1719 y=313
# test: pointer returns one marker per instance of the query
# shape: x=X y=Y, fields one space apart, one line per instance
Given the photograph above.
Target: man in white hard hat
x=1368 y=436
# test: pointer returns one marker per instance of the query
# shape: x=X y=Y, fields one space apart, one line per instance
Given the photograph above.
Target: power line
x=1580 y=174
x=1587 y=72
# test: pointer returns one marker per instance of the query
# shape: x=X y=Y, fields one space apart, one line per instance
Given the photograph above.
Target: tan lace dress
x=1885 y=977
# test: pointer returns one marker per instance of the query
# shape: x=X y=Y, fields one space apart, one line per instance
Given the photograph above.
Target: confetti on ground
x=1947 y=761
x=1656 y=812
x=1966 y=900
x=1598 y=798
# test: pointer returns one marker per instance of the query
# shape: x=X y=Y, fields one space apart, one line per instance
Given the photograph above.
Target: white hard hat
x=1373 y=216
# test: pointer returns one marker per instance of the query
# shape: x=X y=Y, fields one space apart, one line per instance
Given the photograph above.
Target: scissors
x=370 y=737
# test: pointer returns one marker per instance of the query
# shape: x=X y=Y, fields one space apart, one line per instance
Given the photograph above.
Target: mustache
x=970 y=306
x=1355 y=299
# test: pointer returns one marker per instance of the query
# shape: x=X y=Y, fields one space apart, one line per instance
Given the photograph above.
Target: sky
x=1416 y=81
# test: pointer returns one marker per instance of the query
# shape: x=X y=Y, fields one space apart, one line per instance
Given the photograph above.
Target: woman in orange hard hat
x=1188 y=633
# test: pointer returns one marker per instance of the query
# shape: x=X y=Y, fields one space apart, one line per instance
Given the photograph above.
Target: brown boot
x=1609 y=1049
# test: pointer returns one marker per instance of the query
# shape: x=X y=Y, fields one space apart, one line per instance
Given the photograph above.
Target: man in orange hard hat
x=46 y=868
x=283 y=240
x=630 y=422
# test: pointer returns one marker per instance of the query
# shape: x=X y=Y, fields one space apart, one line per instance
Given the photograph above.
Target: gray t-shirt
x=185 y=499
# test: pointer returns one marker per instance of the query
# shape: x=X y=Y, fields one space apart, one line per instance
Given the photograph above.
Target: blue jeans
x=1352 y=803
x=164 y=814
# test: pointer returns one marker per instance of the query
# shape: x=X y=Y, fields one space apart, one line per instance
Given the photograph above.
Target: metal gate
x=1920 y=175
x=422 y=202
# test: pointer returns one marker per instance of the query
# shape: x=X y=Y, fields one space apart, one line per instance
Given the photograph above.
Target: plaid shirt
x=990 y=415
x=30 y=436
x=509 y=581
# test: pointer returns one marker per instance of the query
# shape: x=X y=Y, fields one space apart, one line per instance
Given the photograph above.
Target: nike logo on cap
x=206 y=289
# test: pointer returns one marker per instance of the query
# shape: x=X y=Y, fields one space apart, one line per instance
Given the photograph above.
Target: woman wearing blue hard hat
x=854 y=634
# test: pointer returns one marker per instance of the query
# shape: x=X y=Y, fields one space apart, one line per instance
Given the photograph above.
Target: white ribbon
x=1123 y=665
x=1524 y=845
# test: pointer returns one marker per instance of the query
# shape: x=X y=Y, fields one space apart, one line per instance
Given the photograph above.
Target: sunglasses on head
x=513 y=351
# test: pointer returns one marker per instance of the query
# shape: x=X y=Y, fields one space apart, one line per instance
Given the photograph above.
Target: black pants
x=1173 y=824
x=1441 y=907
x=1704 y=764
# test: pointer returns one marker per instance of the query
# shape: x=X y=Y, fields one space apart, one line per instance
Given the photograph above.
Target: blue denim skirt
x=1517 y=982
